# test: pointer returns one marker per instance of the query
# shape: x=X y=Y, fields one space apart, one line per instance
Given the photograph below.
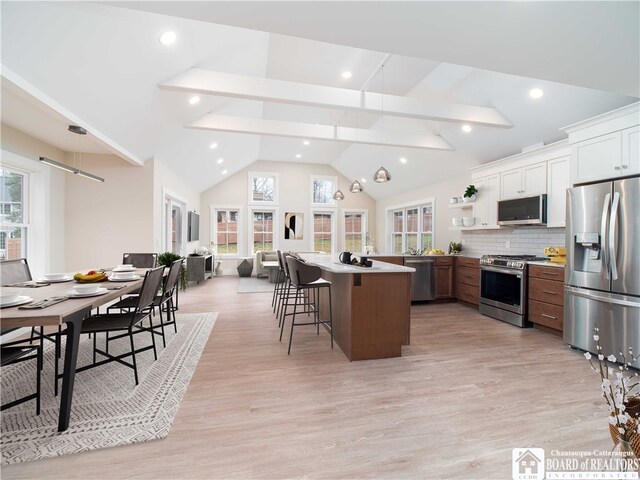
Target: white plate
x=18 y=301
x=132 y=269
x=135 y=277
x=60 y=280
x=74 y=294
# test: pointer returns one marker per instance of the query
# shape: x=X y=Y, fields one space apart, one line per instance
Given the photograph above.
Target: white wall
x=294 y=196
x=166 y=181
x=441 y=192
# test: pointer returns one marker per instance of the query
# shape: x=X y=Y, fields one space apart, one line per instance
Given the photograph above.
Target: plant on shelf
x=455 y=247
x=167 y=258
x=470 y=193
x=619 y=390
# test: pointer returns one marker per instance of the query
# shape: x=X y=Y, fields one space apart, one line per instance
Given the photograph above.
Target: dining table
x=70 y=312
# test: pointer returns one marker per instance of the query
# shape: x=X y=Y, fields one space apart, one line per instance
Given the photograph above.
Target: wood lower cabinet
x=396 y=260
x=545 y=307
x=467 y=280
x=444 y=278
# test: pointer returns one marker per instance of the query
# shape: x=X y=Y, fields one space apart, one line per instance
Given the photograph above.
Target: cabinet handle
x=549 y=293
x=548 y=316
x=625 y=166
x=549 y=273
x=617 y=168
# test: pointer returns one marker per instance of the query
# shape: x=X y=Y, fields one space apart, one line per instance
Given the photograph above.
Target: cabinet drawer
x=548 y=273
x=394 y=260
x=468 y=262
x=468 y=293
x=548 y=291
x=545 y=314
x=468 y=276
x=444 y=261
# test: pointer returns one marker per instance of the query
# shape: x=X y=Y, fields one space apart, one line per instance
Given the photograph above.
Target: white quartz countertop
x=547 y=264
x=331 y=264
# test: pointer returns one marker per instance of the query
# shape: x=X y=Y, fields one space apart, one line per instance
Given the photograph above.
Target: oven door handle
x=507 y=271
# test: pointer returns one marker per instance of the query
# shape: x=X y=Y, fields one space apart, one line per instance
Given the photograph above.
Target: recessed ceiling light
x=220 y=160
x=403 y=160
x=346 y=75
x=168 y=38
x=213 y=146
x=363 y=180
x=298 y=155
x=193 y=100
x=305 y=142
x=536 y=93
x=224 y=172
x=466 y=128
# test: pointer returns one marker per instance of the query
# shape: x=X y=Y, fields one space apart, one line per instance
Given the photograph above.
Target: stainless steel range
x=503 y=287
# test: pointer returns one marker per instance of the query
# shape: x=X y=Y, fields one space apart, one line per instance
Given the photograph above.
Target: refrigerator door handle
x=578 y=292
x=612 y=231
x=603 y=233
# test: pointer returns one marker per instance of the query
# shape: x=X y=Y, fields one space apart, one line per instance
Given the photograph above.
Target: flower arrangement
x=618 y=387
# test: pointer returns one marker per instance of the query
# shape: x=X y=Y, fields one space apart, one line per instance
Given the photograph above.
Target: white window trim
x=276 y=225
x=37 y=209
x=334 y=229
x=334 y=179
x=172 y=196
x=365 y=227
x=388 y=216
x=276 y=188
x=213 y=209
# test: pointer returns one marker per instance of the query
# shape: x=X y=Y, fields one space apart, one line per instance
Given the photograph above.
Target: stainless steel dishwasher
x=423 y=280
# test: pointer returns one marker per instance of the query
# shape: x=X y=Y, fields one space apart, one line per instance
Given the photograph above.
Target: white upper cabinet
x=485 y=208
x=558 y=180
x=524 y=181
x=607 y=146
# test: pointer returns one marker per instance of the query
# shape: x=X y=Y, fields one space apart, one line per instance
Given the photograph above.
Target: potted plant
x=470 y=194
x=455 y=248
x=167 y=258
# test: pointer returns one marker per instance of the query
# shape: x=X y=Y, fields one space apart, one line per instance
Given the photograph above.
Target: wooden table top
x=12 y=317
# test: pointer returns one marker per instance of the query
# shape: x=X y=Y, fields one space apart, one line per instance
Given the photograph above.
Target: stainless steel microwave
x=523 y=211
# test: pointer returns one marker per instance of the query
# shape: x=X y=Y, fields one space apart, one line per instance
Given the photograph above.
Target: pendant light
x=382 y=175
x=356 y=187
x=338 y=195
x=62 y=166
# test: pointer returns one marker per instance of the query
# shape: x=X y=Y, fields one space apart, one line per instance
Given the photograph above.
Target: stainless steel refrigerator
x=602 y=277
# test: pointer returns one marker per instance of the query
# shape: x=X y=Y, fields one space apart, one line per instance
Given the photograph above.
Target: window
x=263 y=188
x=226 y=231
x=411 y=227
x=323 y=228
x=355 y=230
x=322 y=190
x=263 y=226
x=13 y=218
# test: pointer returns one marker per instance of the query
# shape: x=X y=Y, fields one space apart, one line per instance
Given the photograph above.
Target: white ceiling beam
x=208 y=82
x=278 y=128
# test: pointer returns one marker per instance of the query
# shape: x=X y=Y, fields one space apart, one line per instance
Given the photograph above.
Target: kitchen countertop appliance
x=602 y=278
x=503 y=287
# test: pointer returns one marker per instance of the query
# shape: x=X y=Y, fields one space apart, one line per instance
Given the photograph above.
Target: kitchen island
x=371 y=306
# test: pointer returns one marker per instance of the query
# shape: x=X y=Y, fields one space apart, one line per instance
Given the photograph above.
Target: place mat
x=47 y=302
x=28 y=284
x=108 y=409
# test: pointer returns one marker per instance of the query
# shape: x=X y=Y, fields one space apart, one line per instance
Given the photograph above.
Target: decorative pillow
x=270 y=257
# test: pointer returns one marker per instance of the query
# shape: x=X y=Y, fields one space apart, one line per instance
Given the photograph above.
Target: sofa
x=267 y=256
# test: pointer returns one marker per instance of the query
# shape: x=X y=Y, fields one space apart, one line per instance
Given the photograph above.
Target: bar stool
x=277 y=287
x=306 y=279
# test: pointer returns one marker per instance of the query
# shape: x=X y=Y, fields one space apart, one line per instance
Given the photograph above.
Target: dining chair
x=162 y=301
x=140 y=260
x=307 y=279
x=19 y=351
x=128 y=324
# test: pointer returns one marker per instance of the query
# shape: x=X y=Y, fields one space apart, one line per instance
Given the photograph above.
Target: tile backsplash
x=520 y=241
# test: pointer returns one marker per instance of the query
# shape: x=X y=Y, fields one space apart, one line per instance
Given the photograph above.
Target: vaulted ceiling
x=264 y=95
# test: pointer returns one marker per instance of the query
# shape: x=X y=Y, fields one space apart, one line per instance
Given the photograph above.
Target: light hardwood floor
x=465 y=392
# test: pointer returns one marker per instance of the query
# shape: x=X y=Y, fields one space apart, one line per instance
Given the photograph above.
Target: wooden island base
x=371 y=313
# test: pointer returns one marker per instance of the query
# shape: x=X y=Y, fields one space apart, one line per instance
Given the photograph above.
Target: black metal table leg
x=74 y=326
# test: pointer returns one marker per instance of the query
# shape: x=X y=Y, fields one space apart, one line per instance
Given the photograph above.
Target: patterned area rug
x=254 y=285
x=108 y=408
